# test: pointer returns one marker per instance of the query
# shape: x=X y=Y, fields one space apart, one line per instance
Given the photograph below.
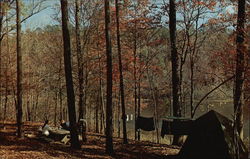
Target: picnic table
x=56 y=134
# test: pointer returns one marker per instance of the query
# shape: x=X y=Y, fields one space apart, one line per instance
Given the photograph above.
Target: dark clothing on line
x=175 y=128
x=165 y=128
x=146 y=124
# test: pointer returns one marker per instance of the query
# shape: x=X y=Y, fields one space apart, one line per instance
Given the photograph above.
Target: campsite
x=124 y=79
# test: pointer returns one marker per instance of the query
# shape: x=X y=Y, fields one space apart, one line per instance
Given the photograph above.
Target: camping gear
x=65 y=125
x=177 y=127
x=212 y=137
x=46 y=128
x=146 y=124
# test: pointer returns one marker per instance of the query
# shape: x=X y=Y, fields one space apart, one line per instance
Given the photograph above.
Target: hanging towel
x=146 y=124
x=165 y=128
x=175 y=128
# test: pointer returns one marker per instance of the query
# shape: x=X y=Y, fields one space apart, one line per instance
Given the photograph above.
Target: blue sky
x=43 y=18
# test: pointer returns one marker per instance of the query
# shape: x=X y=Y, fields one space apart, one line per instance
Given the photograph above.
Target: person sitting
x=65 y=125
x=46 y=128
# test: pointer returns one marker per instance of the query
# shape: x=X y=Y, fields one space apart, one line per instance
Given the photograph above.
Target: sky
x=43 y=18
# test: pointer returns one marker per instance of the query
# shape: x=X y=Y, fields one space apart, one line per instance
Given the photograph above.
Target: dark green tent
x=212 y=137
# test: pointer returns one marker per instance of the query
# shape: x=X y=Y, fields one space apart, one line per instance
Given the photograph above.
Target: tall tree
x=68 y=75
x=239 y=72
x=109 y=109
x=82 y=114
x=175 y=66
x=19 y=71
x=125 y=140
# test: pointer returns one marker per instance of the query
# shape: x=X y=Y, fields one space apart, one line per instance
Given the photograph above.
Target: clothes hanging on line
x=146 y=124
x=175 y=128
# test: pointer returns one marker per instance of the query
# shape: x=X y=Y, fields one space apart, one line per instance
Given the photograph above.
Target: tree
x=125 y=140
x=109 y=109
x=68 y=75
x=174 y=60
x=19 y=72
x=239 y=72
x=82 y=114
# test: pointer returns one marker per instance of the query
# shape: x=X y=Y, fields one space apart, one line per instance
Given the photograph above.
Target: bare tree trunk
x=135 y=84
x=6 y=98
x=46 y=115
x=32 y=107
x=174 y=59
x=191 y=83
x=28 y=95
x=125 y=140
x=102 y=102
x=6 y=70
x=85 y=116
x=80 y=67
x=55 y=109
x=155 y=105
x=59 y=80
x=19 y=72
x=139 y=91
x=60 y=105
x=36 y=106
x=68 y=74
x=28 y=110
x=1 y=30
x=109 y=111
x=192 y=54
x=97 y=114
x=239 y=72
x=118 y=116
x=139 y=104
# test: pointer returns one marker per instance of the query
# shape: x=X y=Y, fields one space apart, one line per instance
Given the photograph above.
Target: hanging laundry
x=175 y=128
x=146 y=124
x=165 y=128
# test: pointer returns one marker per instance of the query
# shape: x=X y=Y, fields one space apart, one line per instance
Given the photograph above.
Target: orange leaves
x=212 y=21
x=156 y=42
x=210 y=4
x=199 y=2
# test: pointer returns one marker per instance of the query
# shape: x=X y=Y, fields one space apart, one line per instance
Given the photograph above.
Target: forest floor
x=33 y=148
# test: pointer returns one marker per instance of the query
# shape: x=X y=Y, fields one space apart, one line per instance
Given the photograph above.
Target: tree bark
x=97 y=114
x=55 y=108
x=102 y=103
x=68 y=75
x=125 y=140
x=60 y=91
x=80 y=67
x=135 y=83
x=6 y=68
x=239 y=72
x=1 y=30
x=139 y=97
x=154 y=97
x=109 y=111
x=19 y=72
x=175 y=66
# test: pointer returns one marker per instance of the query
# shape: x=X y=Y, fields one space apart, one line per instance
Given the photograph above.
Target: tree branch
x=198 y=104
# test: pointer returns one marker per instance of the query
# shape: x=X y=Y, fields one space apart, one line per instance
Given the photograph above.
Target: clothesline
x=180 y=118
